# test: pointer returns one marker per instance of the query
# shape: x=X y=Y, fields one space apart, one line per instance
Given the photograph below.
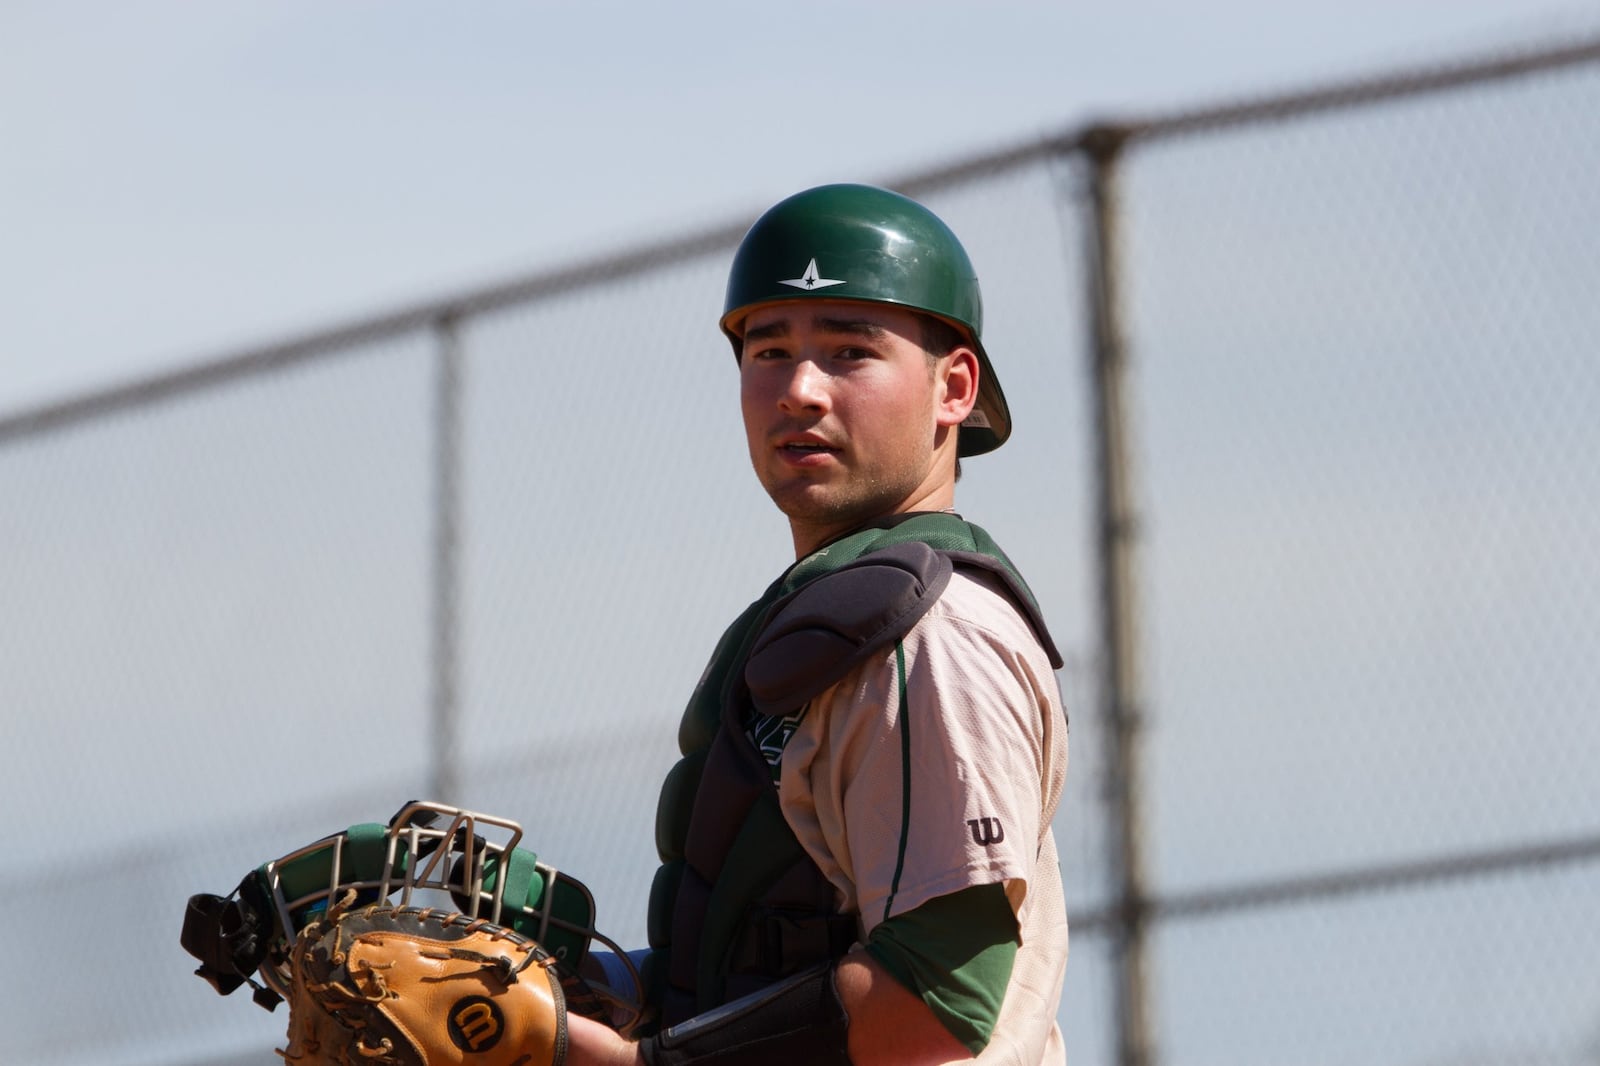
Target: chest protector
x=737 y=904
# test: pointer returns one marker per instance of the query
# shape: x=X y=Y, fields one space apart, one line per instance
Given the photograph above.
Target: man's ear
x=957 y=380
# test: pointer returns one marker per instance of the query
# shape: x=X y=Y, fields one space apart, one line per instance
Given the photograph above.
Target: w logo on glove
x=475 y=1024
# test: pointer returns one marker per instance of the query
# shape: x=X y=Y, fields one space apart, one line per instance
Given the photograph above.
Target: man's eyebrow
x=852 y=327
x=856 y=327
x=780 y=328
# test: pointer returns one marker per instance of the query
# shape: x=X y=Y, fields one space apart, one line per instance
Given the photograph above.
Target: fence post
x=445 y=611
x=1119 y=688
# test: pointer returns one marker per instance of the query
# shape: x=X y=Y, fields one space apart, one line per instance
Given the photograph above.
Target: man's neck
x=888 y=521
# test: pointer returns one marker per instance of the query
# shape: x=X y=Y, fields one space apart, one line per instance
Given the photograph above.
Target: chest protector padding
x=819 y=633
x=738 y=904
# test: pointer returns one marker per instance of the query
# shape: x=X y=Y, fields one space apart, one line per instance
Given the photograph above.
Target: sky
x=183 y=180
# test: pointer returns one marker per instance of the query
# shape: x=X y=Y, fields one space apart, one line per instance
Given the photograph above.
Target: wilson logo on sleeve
x=986 y=831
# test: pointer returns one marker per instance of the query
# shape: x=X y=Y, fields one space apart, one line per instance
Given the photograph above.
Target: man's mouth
x=805 y=451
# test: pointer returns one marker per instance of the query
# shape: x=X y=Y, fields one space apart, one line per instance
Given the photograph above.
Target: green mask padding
x=361 y=857
x=571 y=910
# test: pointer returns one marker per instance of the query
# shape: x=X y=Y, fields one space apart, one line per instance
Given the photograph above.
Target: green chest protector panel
x=737 y=904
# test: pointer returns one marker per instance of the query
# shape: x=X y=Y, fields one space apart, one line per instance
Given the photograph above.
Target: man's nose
x=807 y=388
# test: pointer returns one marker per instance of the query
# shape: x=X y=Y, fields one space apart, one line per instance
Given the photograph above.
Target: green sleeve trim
x=905 y=776
x=956 y=953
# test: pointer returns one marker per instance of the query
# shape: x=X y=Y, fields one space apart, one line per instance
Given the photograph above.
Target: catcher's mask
x=428 y=855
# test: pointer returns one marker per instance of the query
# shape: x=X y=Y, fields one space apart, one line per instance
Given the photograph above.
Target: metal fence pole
x=445 y=608
x=1120 y=697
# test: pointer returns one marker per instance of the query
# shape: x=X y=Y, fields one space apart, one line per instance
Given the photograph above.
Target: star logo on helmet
x=811 y=279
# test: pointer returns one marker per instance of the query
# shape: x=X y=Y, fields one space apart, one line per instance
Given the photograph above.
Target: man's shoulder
x=981 y=600
x=978 y=594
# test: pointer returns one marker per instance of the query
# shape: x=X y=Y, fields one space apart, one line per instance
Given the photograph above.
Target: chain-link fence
x=481 y=549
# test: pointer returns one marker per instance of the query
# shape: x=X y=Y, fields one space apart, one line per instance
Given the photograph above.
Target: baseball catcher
x=432 y=939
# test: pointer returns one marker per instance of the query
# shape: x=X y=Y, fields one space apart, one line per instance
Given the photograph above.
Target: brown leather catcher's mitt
x=398 y=986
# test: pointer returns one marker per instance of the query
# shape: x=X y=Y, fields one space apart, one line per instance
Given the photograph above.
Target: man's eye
x=854 y=353
x=767 y=354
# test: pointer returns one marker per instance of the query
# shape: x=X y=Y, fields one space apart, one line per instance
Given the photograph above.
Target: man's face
x=846 y=416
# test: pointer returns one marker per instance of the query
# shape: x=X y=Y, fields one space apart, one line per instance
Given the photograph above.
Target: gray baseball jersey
x=960 y=790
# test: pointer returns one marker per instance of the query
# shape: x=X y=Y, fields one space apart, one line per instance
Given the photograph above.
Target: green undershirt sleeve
x=956 y=953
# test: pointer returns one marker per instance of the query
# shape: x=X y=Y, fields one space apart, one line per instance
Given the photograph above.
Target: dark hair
x=939 y=336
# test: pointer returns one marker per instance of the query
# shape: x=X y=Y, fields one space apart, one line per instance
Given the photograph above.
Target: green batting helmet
x=858 y=242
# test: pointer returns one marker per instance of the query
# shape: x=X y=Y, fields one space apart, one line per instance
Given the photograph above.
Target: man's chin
x=826 y=506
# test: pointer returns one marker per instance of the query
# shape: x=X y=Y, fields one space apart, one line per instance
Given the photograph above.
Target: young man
x=858 y=864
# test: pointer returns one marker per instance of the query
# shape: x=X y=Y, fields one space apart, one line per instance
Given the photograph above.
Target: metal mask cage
x=429 y=855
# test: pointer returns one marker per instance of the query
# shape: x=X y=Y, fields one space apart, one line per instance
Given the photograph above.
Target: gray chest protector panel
x=824 y=630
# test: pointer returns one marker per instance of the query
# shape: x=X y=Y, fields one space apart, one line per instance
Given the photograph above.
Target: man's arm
x=889 y=1026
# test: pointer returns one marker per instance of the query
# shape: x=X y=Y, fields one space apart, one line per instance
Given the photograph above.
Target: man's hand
x=591 y=1044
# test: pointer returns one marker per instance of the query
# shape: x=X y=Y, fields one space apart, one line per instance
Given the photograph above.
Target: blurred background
x=365 y=433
